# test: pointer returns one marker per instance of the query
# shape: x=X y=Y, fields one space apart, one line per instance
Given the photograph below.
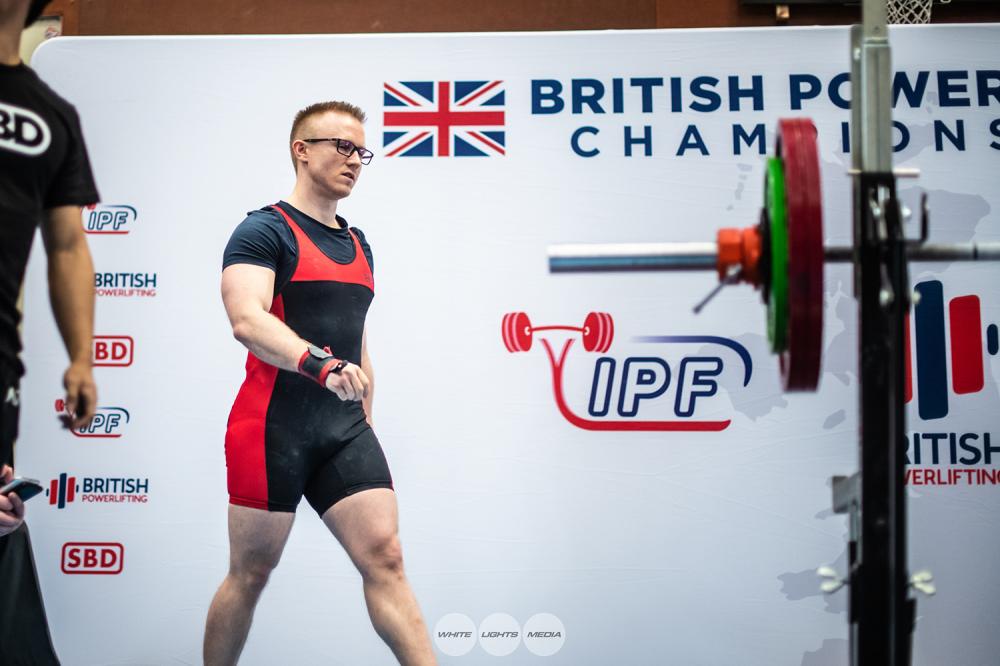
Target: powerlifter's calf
x=256 y=539
x=366 y=524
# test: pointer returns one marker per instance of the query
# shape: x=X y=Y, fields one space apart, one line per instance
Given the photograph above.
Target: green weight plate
x=777 y=303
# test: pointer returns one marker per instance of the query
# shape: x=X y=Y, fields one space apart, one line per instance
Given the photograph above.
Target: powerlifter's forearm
x=269 y=339
x=71 y=292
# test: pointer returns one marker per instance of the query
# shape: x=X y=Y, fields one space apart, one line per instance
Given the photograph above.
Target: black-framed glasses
x=347 y=148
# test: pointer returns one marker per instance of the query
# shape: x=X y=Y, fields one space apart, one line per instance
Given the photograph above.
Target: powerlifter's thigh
x=367 y=526
x=256 y=539
x=357 y=465
x=267 y=463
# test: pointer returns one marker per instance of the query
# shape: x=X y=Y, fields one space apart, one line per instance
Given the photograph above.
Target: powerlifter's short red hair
x=316 y=109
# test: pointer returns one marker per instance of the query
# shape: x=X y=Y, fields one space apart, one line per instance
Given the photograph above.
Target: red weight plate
x=602 y=337
x=800 y=364
x=597 y=331
x=592 y=331
x=520 y=327
x=611 y=333
x=505 y=332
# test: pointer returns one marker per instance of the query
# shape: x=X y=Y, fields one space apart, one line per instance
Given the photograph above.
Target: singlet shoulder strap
x=313 y=265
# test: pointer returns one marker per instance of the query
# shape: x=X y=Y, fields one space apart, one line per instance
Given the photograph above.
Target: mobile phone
x=25 y=488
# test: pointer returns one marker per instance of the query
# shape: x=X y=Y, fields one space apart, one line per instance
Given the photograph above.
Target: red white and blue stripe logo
x=444 y=118
x=965 y=335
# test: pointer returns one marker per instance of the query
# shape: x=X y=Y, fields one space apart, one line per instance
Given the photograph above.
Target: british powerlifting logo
x=108 y=422
x=67 y=489
x=125 y=285
x=443 y=118
x=664 y=388
x=601 y=108
x=23 y=131
x=108 y=219
x=948 y=457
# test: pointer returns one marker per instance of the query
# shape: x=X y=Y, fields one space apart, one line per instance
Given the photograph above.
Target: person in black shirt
x=45 y=178
x=297 y=282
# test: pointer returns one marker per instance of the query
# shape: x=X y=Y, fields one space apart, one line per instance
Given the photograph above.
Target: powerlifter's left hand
x=351 y=384
x=81 y=395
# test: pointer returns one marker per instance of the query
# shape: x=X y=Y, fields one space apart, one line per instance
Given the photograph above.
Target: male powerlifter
x=297 y=283
x=45 y=178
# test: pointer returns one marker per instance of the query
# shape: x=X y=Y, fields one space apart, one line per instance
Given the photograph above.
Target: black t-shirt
x=264 y=239
x=43 y=164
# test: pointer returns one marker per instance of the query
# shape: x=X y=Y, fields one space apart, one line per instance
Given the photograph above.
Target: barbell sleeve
x=585 y=258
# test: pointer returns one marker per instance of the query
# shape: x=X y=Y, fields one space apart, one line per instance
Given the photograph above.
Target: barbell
x=598 y=331
x=782 y=255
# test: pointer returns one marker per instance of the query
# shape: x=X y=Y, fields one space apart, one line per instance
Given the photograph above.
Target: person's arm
x=71 y=292
x=247 y=292
x=366 y=367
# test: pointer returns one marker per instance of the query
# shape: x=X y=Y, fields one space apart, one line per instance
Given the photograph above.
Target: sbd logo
x=108 y=422
x=113 y=350
x=108 y=219
x=636 y=382
x=93 y=558
x=23 y=131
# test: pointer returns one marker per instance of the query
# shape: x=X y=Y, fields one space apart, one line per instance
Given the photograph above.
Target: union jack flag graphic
x=444 y=118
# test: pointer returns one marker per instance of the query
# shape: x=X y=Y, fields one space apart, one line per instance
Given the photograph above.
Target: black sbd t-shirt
x=264 y=239
x=43 y=164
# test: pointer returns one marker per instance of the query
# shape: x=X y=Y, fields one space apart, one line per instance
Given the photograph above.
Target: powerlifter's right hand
x=350 y=384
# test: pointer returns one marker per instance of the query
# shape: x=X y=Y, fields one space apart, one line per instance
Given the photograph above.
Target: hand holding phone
x=25 y=488
x=11 y=505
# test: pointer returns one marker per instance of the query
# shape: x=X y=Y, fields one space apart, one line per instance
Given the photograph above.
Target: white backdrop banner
x=539 y=525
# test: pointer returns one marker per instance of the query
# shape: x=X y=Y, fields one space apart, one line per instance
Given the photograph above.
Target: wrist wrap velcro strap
x=317 y=364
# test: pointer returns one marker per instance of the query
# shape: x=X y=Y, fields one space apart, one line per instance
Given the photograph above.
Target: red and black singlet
x=284 y=428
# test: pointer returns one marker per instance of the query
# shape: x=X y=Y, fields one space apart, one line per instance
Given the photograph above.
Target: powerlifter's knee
x=252 y=577
x=382 y=560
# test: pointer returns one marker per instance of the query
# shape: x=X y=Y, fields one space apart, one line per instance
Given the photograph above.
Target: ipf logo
x=673 y=378
x=108 y=422
x=109 y=219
